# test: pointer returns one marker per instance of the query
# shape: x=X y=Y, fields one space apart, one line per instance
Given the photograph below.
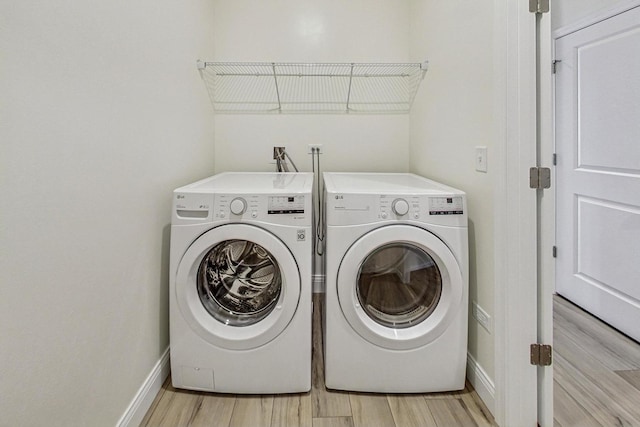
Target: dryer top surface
x=253 y=182
x=384 y=183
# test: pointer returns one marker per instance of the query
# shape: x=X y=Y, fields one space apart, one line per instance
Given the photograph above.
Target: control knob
x=238 y=206
x=400 y=206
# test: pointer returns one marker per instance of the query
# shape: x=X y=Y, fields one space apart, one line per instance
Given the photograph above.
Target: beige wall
x=312 y=31
x=102 y=114
x=453 y=113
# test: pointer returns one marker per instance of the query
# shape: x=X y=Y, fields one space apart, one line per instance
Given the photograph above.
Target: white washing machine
x=240 y=283
x=395 y=317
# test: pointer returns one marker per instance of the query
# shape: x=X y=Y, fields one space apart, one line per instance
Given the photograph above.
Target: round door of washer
x=238 y=286
x=399 y=287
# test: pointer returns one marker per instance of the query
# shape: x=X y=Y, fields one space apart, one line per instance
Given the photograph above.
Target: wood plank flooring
x=319 y=407
x=597 y=383
x=596 y=371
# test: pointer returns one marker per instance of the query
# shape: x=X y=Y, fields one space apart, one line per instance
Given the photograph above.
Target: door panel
x=602 y=242
x=598 y=171
x=609 y=102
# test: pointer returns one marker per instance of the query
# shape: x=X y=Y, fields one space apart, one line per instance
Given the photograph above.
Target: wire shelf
x=265 y=87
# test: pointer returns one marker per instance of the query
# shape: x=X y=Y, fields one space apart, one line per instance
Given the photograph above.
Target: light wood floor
x=596 y=371
x=319 y=407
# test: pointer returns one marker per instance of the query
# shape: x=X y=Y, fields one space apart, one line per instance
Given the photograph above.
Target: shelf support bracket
x=349 y=91
x=275 y=80
x=424 y=67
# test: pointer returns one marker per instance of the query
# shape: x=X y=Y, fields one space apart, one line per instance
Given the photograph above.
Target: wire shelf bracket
x=274 y=87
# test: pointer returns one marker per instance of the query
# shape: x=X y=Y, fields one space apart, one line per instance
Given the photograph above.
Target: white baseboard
x=148 y=390
x=317 y=280
x=482 y=383
x=143 y=399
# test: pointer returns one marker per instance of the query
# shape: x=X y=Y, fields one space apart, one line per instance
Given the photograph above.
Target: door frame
x=546 y=214
x=547 y=224
x=516 y=268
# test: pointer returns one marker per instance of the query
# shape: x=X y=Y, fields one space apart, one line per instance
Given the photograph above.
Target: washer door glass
x=399 y=285
x=239 y=282
x=237 y=286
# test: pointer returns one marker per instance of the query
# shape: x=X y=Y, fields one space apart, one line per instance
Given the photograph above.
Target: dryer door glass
x=239 y=282
x=399 y=285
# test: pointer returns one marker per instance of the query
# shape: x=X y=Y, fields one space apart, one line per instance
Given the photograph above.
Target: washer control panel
x=279 y=205
x=284 y=209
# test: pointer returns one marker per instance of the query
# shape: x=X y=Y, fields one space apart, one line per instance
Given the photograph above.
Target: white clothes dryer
x=240 y=283
x=396 y=308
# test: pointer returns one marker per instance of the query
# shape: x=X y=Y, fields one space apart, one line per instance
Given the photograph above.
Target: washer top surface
x=383 y=183
x=253 y=182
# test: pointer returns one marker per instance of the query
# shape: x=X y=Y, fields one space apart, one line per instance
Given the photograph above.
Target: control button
x=238 y=206
x=222 y=214
x=416 y=215
x=383 y=215
x=400 y=206
x=254 y=214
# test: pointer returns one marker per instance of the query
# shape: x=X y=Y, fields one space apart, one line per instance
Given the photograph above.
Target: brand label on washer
x=302 y=235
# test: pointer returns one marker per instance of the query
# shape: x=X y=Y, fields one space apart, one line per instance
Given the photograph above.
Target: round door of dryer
x=400 y=287
x=238 y=286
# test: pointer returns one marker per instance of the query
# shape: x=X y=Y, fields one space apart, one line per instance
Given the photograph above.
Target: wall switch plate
x=481 y=158
x=318 y=148
x=481 y=316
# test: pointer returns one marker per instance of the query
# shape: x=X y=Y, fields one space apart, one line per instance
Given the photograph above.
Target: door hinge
x=554 y=251
x=539 y=178
x=554 y=159
x=541 y=354
x=554 y=65
x=538 y=6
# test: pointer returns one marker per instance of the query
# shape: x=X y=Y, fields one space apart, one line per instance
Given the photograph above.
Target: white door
x=598 y=170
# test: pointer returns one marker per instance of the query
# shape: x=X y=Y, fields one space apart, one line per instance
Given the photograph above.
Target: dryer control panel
x=416 y=206
x=445 y=209
x=452 y=205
